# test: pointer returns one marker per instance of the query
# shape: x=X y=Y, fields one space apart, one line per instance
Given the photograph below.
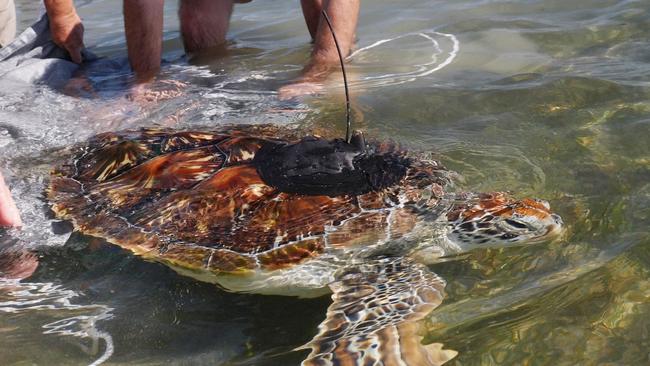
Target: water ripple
x=28 y=297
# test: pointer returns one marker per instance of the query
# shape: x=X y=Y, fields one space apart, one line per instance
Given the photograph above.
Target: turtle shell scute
x=196 y=200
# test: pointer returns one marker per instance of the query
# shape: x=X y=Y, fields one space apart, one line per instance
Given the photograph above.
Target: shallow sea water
x=541 y=98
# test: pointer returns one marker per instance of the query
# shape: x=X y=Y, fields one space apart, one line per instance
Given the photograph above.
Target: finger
x=9 y=215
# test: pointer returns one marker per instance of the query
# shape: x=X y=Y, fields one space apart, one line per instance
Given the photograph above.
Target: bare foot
x=298 y=89
x=148 y=93
x=313 y=75
x=9 y=215
x=141 y=99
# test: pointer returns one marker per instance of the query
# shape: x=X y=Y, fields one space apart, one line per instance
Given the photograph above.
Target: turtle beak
x=555 y=228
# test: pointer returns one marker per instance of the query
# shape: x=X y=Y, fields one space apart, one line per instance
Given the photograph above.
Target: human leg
x=344 y=15
x=204 y=23
x=143 y=25
x=324 y=56
x=311 y=10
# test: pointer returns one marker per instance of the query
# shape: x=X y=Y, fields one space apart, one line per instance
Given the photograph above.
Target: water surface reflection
x=543 y=98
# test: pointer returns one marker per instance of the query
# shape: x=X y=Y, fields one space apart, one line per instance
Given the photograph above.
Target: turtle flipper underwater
x=378 y=304
x=260 y=209
x=375 y=316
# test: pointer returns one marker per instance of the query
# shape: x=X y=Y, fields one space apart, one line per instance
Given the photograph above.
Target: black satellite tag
x=317 y=166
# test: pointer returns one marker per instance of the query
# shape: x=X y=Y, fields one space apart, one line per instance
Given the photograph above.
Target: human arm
x=66 y=27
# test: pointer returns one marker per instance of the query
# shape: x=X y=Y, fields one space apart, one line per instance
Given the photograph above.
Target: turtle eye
x=508 y=236
x=543 y=203
x=516 y=224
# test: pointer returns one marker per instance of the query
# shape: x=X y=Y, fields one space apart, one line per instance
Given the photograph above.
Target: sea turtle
x=260 y=209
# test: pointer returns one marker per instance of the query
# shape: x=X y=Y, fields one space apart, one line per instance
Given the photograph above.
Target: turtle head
x=492 y=220
x=319 y=166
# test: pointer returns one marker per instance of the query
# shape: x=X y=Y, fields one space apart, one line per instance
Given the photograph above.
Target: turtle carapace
x=259 y=209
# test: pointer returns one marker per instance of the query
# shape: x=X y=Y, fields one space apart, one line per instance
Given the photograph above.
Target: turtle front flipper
x=375 y=317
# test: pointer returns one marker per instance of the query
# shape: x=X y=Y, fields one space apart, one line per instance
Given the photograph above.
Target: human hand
x=67 y=32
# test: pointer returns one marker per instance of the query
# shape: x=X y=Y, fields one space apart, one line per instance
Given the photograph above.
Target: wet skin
x=204 y=24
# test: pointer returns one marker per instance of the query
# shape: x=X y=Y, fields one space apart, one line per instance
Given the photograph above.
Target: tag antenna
x=345 y=78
